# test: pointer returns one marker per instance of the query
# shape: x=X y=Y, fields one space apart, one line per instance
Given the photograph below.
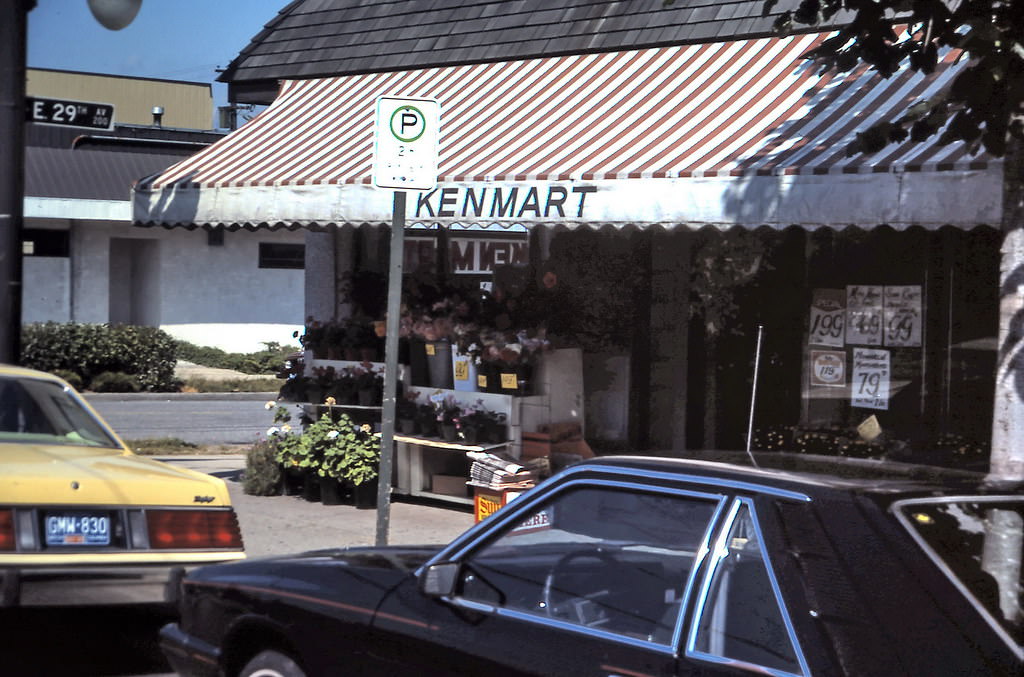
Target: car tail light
x=7 y=540
x=193 y=529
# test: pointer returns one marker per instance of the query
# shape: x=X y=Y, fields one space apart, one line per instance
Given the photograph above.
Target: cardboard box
x=449 y=485
x=536 y=445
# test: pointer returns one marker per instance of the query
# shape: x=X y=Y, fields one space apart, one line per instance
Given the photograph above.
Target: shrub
x=262 y=475
x=73 y=379
x=147 y=353
x=114 y=382
x=268 y=361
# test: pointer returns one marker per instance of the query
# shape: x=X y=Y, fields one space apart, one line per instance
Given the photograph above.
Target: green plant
x=114 y=382
x=349 y=452
x=270 y=360
x=147 y=353
x=73 y=379
x=262 y=475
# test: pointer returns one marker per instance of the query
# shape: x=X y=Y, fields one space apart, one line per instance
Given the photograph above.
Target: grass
x=255 y=385
x=173 y=446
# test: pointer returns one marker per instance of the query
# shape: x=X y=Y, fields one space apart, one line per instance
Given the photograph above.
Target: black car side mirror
x=438 y=580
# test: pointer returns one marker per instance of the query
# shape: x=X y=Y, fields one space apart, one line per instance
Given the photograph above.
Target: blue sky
x=171 y=39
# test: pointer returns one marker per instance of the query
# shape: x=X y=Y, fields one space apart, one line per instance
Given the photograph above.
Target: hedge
x=88 y=350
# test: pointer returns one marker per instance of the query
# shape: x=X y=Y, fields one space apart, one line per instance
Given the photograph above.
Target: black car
x=639 y=566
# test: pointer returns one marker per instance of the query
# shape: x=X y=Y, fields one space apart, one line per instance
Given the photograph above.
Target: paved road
x=233 y=418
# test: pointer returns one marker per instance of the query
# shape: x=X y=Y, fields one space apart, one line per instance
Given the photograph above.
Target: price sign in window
x=903 y=316
x=864 y=315
x=870 y=379
x=828 y=318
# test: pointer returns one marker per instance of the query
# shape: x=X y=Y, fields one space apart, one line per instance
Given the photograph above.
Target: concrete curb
x=133 y=397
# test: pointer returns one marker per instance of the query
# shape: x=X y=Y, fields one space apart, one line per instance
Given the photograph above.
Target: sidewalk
x=276 y=525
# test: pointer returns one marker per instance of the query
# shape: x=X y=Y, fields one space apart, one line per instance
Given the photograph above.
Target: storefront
x=713 y=176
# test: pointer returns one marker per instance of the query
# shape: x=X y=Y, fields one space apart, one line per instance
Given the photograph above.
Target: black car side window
x=608 y=559
x=740 y=616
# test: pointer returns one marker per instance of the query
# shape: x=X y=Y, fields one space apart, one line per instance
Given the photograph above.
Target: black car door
x=589 y=580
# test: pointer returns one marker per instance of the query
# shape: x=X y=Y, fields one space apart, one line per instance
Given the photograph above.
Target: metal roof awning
x=85 y=184
x=741 y=133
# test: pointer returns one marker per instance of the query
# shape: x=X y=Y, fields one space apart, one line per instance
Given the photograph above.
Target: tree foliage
x=982 y=106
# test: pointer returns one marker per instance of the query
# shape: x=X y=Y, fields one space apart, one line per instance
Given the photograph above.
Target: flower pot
x=314 y=394
x=407 y=426
x=419 y=374
x=311 y=488
x=291 y=482
x=516 y=380
x=463 y=372
x=470 y=434
x=365 y=495
x=351 y=354
x=367 y=397
x=439 y=364
x=449 y=433
x=368 y=354
x=332 y=491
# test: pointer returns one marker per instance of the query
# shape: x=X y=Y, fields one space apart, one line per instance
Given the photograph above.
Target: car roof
x=25 y=372
x=809 y=474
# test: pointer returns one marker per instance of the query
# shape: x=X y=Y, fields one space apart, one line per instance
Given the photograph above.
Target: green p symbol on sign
x=408 y=123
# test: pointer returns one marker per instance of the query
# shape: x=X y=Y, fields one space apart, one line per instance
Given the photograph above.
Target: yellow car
x=83 y=520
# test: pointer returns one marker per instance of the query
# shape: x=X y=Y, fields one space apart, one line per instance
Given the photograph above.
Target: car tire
x=271 y=664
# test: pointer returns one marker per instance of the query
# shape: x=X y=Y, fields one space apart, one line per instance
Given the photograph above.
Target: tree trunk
x=1007 y=460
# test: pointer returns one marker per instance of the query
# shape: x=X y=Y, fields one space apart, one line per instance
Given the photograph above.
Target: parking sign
x=405 y=143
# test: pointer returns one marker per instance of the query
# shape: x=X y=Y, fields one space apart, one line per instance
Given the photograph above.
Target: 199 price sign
x=828 y=318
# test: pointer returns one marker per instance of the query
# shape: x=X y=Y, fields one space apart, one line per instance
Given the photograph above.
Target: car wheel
x=271 y=664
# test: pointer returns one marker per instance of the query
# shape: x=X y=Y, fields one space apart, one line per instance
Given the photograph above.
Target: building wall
x=187 y=105
x=209 y=295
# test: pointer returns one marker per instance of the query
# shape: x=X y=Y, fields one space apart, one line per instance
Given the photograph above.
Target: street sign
x=69 y=113
x=405 y=143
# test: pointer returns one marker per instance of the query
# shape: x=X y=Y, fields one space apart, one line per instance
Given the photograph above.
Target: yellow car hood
x=38 y=474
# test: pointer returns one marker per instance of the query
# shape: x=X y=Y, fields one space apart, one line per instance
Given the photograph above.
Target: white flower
x=332 y=434
x=286 y=428
x=269 y=405
x=272 y=431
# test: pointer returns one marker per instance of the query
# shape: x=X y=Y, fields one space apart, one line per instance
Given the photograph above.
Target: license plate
x=77 y=528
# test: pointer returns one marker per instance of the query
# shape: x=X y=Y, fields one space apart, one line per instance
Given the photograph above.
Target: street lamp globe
x=115 y=14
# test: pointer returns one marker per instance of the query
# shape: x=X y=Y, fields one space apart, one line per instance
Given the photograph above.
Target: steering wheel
x=578 y=609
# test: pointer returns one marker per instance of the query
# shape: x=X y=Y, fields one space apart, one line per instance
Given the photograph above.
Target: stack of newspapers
x=498 y=471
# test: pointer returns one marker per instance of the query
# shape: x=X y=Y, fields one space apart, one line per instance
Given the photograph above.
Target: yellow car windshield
x=43 y=412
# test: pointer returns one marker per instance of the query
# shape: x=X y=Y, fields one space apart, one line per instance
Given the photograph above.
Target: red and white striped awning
x=737 y=133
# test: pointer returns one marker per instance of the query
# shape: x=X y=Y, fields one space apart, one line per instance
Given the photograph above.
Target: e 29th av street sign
x=69 y=113
x=405 y=143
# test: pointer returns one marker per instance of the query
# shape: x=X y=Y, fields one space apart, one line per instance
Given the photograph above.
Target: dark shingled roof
x=89 y=174
x=324 y=38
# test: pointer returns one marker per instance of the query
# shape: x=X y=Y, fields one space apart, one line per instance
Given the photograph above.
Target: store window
x=43 y=242
x=279 y=255
x=604 y=559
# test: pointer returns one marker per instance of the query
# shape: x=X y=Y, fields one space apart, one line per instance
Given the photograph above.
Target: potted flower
x=313 y=338
x=343 y=389
x=336 y=338
x=360 y=339
x=320 y=385
x=369 y=385
x=297 y=458
x=351 y=455
x=405 y=413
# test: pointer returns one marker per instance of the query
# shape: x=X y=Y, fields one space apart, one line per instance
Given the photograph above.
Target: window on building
x=277 y=255
x=42 y=242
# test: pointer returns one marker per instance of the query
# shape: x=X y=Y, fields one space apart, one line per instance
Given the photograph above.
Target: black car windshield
x=43 y=412
x=979 y=541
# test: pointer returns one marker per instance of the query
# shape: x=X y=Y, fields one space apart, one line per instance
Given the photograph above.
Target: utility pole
x=13 y=30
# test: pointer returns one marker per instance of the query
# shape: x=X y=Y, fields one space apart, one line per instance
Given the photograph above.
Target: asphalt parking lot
x=275 y=525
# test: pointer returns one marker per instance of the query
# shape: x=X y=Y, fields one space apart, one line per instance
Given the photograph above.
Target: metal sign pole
x=387 y=438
